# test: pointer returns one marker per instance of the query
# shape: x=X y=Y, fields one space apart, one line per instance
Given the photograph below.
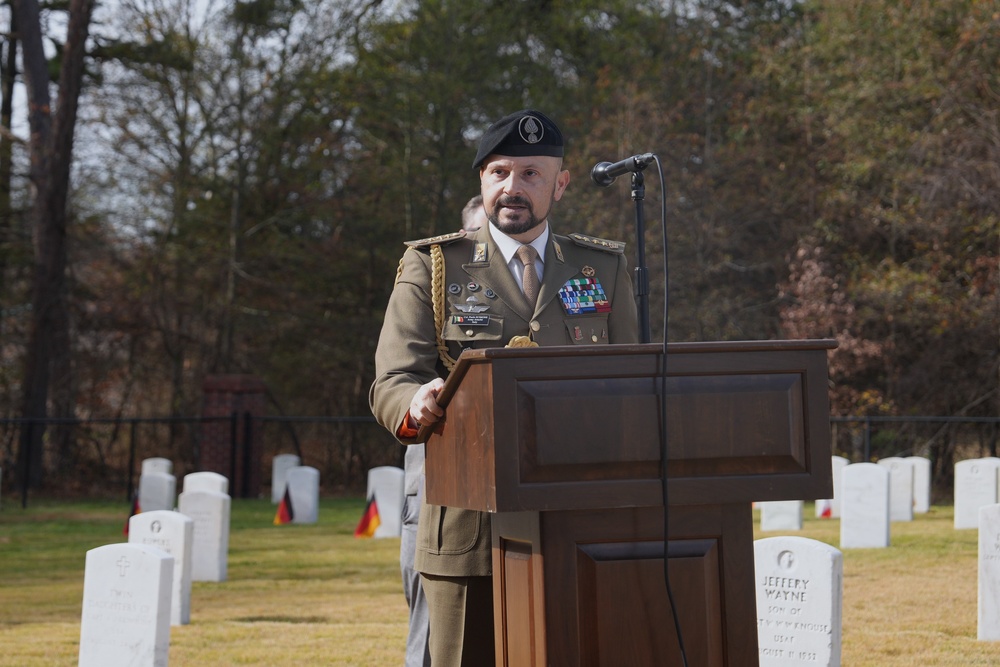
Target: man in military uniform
x=514 y=281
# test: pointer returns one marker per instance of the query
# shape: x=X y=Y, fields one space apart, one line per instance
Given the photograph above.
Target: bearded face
x=518 y=192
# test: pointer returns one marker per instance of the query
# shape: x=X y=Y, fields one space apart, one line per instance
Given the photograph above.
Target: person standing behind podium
x=474 y=215
x=417 y=653
x=467 y=290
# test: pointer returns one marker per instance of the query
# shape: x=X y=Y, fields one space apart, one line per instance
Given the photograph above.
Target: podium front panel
x=587 y=588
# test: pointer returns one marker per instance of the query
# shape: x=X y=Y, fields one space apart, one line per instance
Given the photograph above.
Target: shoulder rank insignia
x=599 y=244
x=442 y=239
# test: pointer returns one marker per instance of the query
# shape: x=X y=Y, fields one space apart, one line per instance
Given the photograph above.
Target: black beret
x=522 y=133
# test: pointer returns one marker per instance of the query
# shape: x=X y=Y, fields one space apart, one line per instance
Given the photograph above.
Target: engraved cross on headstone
x=122 y=566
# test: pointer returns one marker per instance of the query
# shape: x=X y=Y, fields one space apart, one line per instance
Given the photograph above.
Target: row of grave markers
x=799 y=589
x=135 y=591
x=869 y=497
x=799 y=581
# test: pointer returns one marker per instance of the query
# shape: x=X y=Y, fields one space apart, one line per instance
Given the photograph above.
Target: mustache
x=507 y=200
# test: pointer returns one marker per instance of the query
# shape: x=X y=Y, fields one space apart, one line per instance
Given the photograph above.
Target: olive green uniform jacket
x=484 y=307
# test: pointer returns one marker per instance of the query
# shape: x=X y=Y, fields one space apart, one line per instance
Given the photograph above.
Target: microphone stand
x=641 y=275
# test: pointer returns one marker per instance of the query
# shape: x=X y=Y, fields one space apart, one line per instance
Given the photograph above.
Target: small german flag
x=135 y=510
x=369 y=520
x=285 y=514
x=827 y=511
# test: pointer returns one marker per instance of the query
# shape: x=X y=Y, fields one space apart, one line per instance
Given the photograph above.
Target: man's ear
x=562 y=180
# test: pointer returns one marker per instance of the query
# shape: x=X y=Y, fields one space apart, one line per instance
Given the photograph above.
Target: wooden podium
x=562 y=444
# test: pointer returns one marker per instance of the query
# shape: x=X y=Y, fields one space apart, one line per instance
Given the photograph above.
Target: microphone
x=605 y=173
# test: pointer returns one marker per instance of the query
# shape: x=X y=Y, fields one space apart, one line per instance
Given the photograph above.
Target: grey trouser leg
x=417 y=649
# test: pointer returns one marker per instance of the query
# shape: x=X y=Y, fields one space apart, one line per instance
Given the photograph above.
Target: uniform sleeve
x=623 y=324
x=406 y=356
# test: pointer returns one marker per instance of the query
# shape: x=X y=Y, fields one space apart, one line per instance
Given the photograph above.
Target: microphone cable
x=664 y=449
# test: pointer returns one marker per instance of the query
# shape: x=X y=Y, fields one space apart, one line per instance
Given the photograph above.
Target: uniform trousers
x=461 y=634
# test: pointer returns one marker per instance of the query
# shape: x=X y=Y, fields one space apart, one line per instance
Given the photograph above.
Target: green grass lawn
x=295 y=594
x=310 y=595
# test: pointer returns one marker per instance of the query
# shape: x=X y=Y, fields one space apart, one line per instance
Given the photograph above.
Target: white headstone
x=206 y=481
x=830 y=507
x=921 y=484
x=303 y=490
x=210 y=512
x=799 y=601
x=157 y=464
x=157 y=491
x=989 y=573
x=975 y=486
x=174 y=533
x=864 y=506
x=279 y=473
x=781 y=515
x=126 y=606
x=388 y=485
x=900 y=488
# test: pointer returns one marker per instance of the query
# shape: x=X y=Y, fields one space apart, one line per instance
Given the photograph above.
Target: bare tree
x=47 y=368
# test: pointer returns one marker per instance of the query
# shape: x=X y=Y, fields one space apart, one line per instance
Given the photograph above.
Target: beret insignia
x=520 y=134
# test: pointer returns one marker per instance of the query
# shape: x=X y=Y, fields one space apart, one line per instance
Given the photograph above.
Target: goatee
x=514 y=227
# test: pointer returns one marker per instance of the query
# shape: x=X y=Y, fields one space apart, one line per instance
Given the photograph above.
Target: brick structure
x=226 y=395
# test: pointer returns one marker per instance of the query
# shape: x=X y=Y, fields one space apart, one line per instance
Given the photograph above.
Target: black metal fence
x=105 y=454
x=872 y=437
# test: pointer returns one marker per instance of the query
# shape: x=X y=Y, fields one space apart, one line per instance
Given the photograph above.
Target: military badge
x=584 y=295
x=479 y=254
x=471 y=305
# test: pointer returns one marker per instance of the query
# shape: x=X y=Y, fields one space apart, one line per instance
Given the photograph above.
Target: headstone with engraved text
x=174 y=533
x=799 y=585
x=975 y=486
x=989 y=573
x=126 y=606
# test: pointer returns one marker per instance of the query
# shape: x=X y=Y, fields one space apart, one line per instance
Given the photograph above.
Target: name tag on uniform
x=471 y=320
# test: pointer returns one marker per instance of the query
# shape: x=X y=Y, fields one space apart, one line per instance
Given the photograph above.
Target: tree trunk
x=48 y=348
x=8 y=77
